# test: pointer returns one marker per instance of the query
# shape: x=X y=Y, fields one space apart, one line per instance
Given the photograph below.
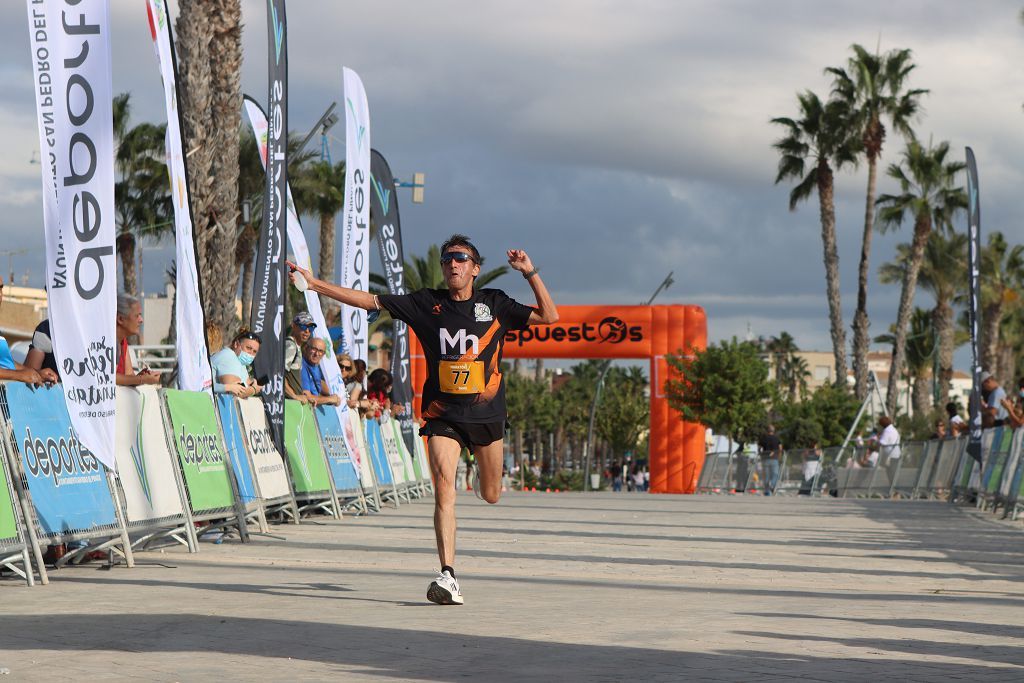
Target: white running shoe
x=444 y=590
x=474 y=482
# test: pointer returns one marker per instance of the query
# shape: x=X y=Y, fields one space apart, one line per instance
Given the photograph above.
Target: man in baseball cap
x=301 y=330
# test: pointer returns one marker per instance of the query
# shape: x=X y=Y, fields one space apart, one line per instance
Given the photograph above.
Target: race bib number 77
x=461 y=377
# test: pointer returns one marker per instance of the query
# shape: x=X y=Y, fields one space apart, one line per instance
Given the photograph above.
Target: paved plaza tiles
x=559 y=587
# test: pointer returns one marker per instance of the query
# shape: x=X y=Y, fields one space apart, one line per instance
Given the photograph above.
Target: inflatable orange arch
x=652 y=332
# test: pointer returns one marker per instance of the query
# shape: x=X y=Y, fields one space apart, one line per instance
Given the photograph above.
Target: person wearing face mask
x=231 y=366
x=1015 y=408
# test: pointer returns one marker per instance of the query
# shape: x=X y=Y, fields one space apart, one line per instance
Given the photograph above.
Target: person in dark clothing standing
x=771 y=451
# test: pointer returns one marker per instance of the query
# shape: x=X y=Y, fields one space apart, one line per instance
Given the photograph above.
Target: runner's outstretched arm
x=546 y=312
x=351 y=297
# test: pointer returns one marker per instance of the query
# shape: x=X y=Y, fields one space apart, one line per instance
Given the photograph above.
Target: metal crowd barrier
x=936 y=470
x=181 y=459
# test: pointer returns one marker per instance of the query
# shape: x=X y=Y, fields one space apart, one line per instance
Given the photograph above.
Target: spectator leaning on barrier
x=1015 y=408
x=380 y=384
x=40 y=351
x=957 y=426
x=353 y=388
x=993 y=412
x=300 y=333
x=771 y=450
x=129 y=324
x=889 y=445
x=10 y=370
x=231 y=366
x=314 y=384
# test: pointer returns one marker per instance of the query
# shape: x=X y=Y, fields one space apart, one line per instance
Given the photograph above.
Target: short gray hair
x=125 y=302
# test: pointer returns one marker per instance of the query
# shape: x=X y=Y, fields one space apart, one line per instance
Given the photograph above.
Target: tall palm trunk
x=210 y=51
x=539 y=376
x=922 y=229
x=326 y=265
x=225 y=54
x=1007 y=364
x=922 y=395
x=247 y=276
x=861 y=323
x=942 y=321
x=826 y=201
x=126 y=252
x=991 y=318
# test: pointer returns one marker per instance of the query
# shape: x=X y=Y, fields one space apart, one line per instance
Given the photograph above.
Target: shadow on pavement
x=439 y=656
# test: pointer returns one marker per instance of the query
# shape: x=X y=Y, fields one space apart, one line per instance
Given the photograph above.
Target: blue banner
x=378 y=456
x=67 y=482
x=230 y=423
x=346 y=478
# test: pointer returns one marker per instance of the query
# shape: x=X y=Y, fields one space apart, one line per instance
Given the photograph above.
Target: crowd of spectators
x=304 y=378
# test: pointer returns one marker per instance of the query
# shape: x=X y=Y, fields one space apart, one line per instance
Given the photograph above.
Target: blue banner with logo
x=67 y=482
x=231 y=425
x=346 y=478
x=378 y=456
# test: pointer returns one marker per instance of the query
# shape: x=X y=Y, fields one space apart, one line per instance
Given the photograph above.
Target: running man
x=462 y=332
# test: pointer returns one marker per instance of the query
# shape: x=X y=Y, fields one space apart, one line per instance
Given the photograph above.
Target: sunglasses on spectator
x=458 y=256
x=346 y=367
x=308 y=328
x=249 y=335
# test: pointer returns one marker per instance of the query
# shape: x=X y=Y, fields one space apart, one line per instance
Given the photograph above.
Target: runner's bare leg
x=489 y=459
x=444 y=461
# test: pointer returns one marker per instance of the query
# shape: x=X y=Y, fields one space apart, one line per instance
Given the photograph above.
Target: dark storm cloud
x=613 y=141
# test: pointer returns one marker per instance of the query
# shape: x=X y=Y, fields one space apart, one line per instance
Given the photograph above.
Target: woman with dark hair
x=231 y=366
x=378 y=391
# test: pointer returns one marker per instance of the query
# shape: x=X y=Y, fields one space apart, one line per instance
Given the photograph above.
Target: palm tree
x=944 y=275
x=251 y=188
x=815 y=145
x=142 y=194
x=921 y=348
x=929 y=195
x=321 y=191
x=209 y=59
x=872 y=86
x=1002 y=276
x=790 y=370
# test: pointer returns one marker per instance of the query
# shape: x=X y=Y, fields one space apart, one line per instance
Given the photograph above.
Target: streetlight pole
x=588 y=446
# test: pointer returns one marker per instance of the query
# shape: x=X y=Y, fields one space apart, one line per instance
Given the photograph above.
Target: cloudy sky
x=615 y=142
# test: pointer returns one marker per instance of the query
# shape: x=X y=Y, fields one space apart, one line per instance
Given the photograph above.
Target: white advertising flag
x=194 y=373
x=354 y=259
x=297 y=240
x=72 y=68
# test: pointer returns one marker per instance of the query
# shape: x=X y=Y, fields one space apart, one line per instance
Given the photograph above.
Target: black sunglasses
x=346 y=367
x=249 y=335
x=457 y=256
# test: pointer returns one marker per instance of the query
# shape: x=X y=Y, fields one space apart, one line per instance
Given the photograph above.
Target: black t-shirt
x=41 y=341
x=769 y=445
x=462 y=342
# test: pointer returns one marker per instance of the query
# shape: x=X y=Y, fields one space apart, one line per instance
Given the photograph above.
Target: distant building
x=821 y=370
x=23 y=309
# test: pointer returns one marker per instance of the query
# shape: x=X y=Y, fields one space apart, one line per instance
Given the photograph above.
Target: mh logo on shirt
x=461 y=338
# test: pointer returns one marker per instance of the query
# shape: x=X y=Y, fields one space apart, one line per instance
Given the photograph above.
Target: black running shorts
x=467 y=434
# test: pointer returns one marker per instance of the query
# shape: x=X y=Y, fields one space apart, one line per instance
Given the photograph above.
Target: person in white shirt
x=889 y=445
